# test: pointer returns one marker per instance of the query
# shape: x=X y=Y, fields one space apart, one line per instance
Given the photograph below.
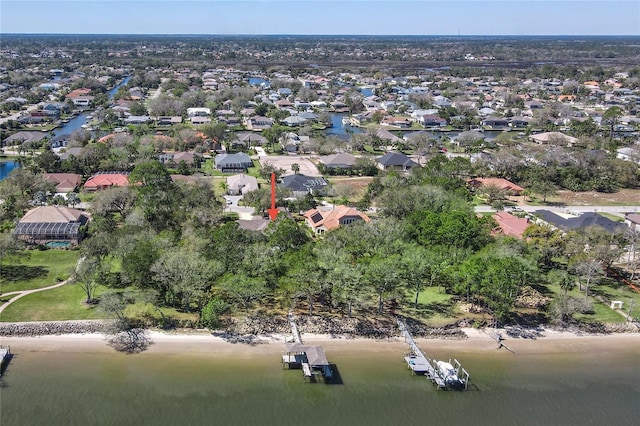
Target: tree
x=157 y=195
x=243 y=289
x=87 y=276
x=591 y=271
x=286 y=234
x=72 y=199
x=295 y=167
x=117 y=199
x=611 y=117
x=383 y=277
x=184 y=276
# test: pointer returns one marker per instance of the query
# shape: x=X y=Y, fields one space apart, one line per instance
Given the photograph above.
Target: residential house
x=629 y=154
x=177 y=157
x=510 y=225
x=582 y=221
x=495 y=123
x=168 y=120
x=301 y=185
x=394 y=121
x=106 y=180
x=294 y=121
x=240 y=184
x=24 y=137
x=342 y=160
x=51 y=224
x=291 y=142
x=500 y=183
x=554 y=138
x=258 y=123
x=321 y=220
x=64 y=182
x=431 y=121
x=233 y=163
x=137 y=119
x=198 y=112
x=247 y=139
x=633 y=221
x=395 y=161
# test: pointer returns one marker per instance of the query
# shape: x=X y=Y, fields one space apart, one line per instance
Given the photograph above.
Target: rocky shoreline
x=335 y=326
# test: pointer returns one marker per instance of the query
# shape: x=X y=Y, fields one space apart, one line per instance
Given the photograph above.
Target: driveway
x=245 y=213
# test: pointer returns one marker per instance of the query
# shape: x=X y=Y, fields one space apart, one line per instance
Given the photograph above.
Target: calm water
x=570 y=386
x=6 y=167
x=77 y=122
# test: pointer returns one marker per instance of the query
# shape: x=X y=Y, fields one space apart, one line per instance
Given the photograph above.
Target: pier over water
x=311 y=359
x=445 y=375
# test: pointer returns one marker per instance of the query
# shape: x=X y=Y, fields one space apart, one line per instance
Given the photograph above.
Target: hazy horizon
x=322 y=17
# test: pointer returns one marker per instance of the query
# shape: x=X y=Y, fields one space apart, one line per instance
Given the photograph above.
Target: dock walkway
x=443 y=374
x=311 y=359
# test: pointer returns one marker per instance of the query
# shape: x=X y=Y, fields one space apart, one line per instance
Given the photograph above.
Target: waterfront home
x=324 y=219
x=137 y=119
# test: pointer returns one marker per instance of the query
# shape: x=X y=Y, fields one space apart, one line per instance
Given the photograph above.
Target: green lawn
x=39 y=269
x=59 y=304
x=434 y=307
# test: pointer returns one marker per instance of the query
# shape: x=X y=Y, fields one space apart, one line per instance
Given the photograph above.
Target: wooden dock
x=310 y=359
x=445 y=375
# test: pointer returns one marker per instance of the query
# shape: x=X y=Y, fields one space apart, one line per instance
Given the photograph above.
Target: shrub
x=210 y=316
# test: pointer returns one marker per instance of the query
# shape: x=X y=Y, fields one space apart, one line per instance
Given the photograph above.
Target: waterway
x=573 y=384
x=6 y=167
x=81 y=119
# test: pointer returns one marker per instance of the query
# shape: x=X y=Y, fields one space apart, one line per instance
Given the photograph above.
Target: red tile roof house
x=499 y=183
x=322 y=221
x=510 y=225
x=102 y=181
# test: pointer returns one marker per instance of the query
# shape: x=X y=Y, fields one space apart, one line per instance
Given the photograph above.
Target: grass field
x=37 y=269
x=59 y=304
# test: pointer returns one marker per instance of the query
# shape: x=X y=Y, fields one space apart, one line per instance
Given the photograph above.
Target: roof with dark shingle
x=583 y=221
x=303 y=183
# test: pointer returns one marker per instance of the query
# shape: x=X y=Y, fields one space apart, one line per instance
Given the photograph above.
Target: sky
x=322 y=17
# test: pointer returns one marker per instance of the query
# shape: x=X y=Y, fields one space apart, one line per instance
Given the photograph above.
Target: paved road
x=18 y=114
x=619 y=210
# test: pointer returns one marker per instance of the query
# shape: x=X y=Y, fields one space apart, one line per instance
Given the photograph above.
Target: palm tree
x=295 y=167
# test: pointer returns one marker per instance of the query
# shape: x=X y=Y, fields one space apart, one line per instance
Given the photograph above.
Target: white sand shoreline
x=479 y=340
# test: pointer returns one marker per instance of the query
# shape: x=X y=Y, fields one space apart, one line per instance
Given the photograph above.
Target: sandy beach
x=201 y=342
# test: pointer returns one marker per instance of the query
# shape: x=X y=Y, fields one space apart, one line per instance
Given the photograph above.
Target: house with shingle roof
x=322 y=220
x=301 y=185
x=582 y=221
x=47 y=224
x=64 y=182
x=240 y=184
x=341 y=160
x=230 y=163
x=395 y=161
